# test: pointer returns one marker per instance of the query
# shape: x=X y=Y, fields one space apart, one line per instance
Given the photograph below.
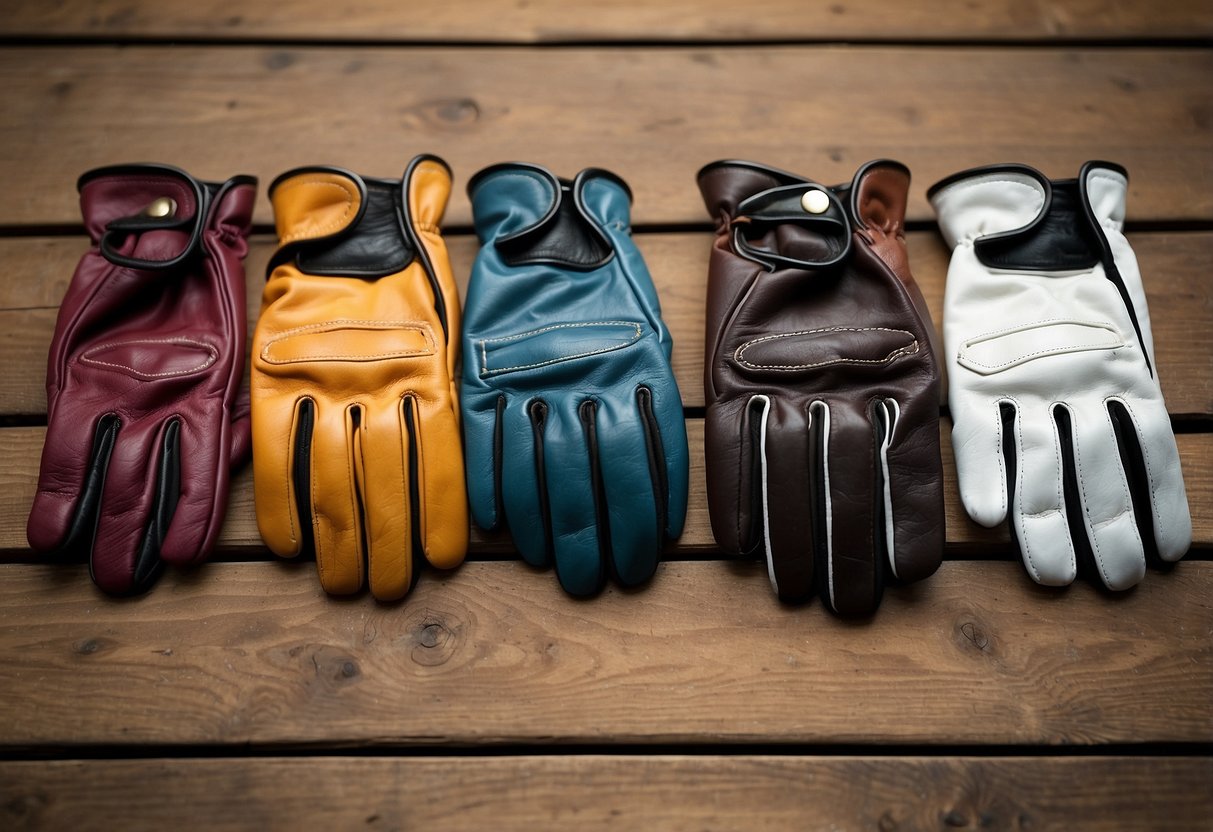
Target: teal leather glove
x=573 y=424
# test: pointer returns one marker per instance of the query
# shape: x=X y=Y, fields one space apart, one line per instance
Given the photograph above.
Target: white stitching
x=339 y=324
x=909 y=349
x=212 y=356
x=486 y=371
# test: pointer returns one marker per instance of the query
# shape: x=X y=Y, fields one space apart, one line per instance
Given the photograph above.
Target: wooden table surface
x=239 y=696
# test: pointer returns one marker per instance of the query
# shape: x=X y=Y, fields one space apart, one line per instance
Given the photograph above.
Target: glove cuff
x=150 y=216
x=533 y=217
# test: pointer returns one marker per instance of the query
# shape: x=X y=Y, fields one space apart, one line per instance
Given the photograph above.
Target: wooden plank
x=1174 y=265
x=653 y=115
x=667 y=792
x=21 y=448
x=562 y=21
x=254 y=654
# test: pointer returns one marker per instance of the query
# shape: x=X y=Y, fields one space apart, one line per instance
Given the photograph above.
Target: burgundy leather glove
x=144 y=374
x=822 y=386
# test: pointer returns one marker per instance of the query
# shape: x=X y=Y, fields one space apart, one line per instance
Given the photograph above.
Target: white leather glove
x=1053 y=387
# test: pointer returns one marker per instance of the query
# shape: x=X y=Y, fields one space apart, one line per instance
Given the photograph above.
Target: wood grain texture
x=254 y=654
x=1174 y=266
x=653 y=115
x=672 y=793
x=565 y=21
x=21 y=448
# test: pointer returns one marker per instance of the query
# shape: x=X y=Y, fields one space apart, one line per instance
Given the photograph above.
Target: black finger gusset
x=587 y=412
x=751 y=539
x=148 y=565
x=1134 y=464
x=538 y=412
x=658 y=474
x=818 y=494
x=1084 y=552
x=301 y=474
x=411 y=427
x=1006 y=412
x=83 y=528
x=498 y=463
x=882 y=428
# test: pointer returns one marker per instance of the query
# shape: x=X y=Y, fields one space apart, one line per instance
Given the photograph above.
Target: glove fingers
x=336 y=522
x=1151 y=458
x=282 y=472
x=978 y=445
x=574 y=498
x=634 y=488
x=75 y=454
x=1038 y=517
x=137 y=505
x=1098 y=505
x=484 y=433
x=522 y=476
x=787 y=519
x=911 y=477
x=386 y=479
x=200 y=467
x=731 y=431
x=443 y=514
x=843 y=464
x=666 y=433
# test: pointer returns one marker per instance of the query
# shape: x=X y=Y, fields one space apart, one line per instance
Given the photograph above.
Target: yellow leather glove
x=356 y=447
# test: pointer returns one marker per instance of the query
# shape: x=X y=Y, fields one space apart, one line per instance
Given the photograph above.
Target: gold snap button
x=162 y=207
x=815 y=201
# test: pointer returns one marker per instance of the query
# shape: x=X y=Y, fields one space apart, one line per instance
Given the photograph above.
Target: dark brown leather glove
x=822 y=385
x=145 y=415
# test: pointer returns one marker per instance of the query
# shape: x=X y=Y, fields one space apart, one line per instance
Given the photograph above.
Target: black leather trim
x=566 y=236
x=301 y=474
x=783 y=176
x=1105 y=249
x=985 y=170
x=120 y=228
x=372 y=247
x=656 y=457
x=286 y=253
x=538 y=412
x=1134 y=464
x=410 y=233
x=1058 y=240
x=412 y=427
x=587 y=412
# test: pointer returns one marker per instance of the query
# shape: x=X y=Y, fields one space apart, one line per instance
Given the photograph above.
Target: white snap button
x=815 y=201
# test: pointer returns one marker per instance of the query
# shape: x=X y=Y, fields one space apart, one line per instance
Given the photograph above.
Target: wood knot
x=887 y=823
x=25 y=807
x=955 y=819
x=434 y=641
x=334 y=666
x=975 y=635
x=445 y=112
x=92 y=646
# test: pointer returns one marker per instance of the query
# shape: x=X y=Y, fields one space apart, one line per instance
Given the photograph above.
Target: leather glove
x=574 y=426
x=822 y=387
x=356 y=429
x=144 y=373
x=1059 y=420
